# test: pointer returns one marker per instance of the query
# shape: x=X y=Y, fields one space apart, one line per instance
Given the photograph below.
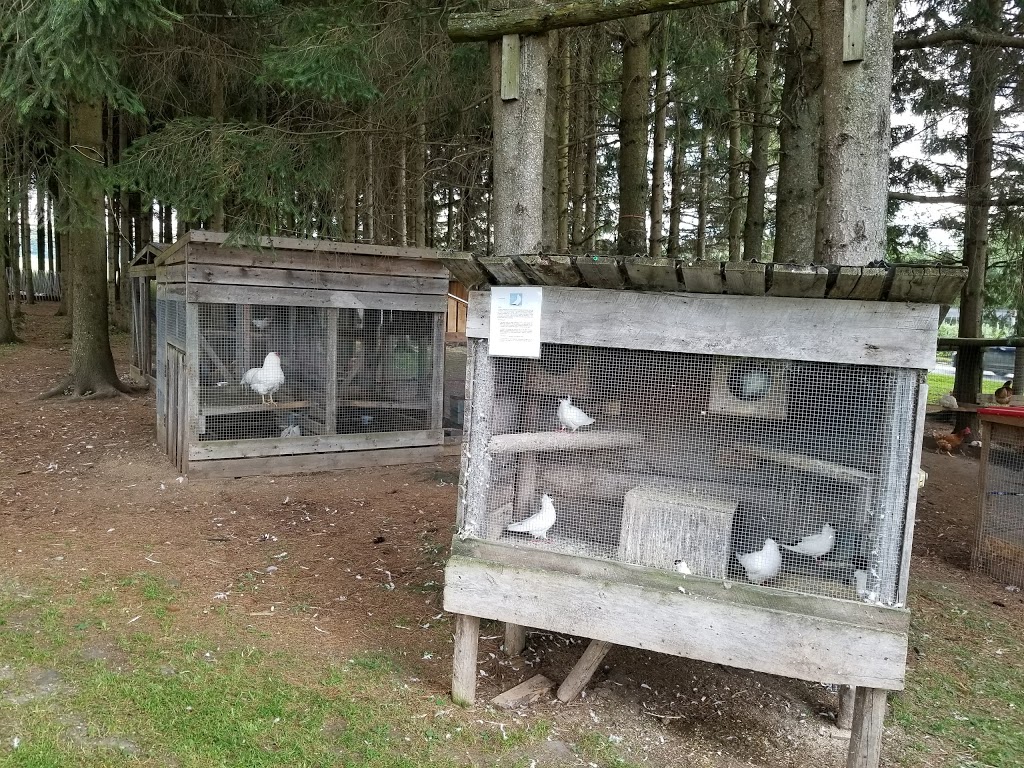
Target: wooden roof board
x=930 y=284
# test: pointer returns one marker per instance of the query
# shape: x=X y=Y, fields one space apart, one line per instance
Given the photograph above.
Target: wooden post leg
x=515 y=639
x=467 y=638
x=844 y=715
x=584 y=670
x=866 y=736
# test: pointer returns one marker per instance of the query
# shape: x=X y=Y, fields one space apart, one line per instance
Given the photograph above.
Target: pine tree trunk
x=563 y=96
x=590 y=130
x=855 y=138
x=217 y=222
x=92 y=364
x=418 y=185
x=799 y=185
x=51 y=246
x=635 y=108
x=577 y=140
x=113 y=251
x=40 y=228
x=15 y=228
x=982 y=90
x=700 y=249
x=7 y=334
x=657 y=242
x=399 y=196
x=676 y=175
x=124 y=240
x=757 y=170
x=26 y=240
x=736 y=84
x=551 y=213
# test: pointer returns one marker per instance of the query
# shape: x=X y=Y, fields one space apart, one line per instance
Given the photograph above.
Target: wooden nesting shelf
x=531 y=442
x=406 y=405
x=222 y=410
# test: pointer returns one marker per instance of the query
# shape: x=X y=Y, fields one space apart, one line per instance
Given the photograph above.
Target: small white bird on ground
x=817 y=544
x=265 y=380
x=948 y=401
x=293 y=431
x=763 y=564
x=682 y=567
x=261 y=323
x=571 y=417
x=539 y=524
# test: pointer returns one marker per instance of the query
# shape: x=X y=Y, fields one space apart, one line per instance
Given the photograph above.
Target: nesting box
x=999 y=536
x=298 y=355
x=744 y=494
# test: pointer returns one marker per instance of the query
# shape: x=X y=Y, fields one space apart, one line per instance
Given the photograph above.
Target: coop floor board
x=313 y=462
x=283 y=446
x=808 y=638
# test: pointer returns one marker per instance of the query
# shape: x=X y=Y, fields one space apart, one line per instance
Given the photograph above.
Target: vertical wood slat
x=854 y=25
x=467 y=639
x=477 y=419
x=331 y=390
x=191 y=383
x=437 y=372
x=986 y=447
x=912 y=492
x=510 y=63
x=868 y=724
x=515 y=639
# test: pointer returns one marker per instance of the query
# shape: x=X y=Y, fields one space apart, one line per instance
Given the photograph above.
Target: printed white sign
x=515 y=321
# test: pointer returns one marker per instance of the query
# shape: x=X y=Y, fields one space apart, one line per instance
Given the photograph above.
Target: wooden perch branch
x=958 y=35
x=534 y=19
x=526 y=442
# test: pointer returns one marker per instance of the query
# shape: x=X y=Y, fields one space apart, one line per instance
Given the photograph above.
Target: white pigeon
x=293 y=431
x=261 y=323
x=948 y=401
x=682 y=567
x=571 y=417
x=817 y=544
x=539 y=524
x=266 y=380
x=763 y=564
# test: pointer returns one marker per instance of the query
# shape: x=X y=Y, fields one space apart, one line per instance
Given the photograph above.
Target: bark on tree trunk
x=799 y=186
x=111 y=226
x=124 y=239
x=578 y=127
x=26 y=240
x=217 y=113
x=550 y=214
x=519 y=129
x=562 y=100
x=757 y=170
x=7 y=334
x=657 y=242
x=982 y=88
x=700 y=249
x=736 y=136
x=15 y=228
x=350 y=190
x=419 y=182
x=40 y=228
x=635 y=108
x=92 y=364
x=593 y=104
x=676 y=174
x=856 y=138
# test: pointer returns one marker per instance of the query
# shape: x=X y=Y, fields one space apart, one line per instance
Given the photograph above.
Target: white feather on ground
x=571 y=417
x=817 y=544
x=539 y=524
x=763 y=564
x=266 y=380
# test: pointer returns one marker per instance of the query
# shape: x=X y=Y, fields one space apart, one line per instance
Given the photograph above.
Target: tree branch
x=967 y=35
x=999 y=202
x=534 y=19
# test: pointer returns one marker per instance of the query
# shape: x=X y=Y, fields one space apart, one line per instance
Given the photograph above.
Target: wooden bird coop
x=142 y=279
x=999 y=535
x=725 y=415
x=359 y=331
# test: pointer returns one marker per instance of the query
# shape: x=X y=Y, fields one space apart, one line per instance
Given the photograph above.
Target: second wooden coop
x=298 y=355
x=745 y=492
x=999 y=533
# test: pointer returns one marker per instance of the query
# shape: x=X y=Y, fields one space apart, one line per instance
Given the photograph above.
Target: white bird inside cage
x=570 y=417
x=261 y=323
x=763 y=564
x=266 y=380
x=815 y=545
x=537 y=525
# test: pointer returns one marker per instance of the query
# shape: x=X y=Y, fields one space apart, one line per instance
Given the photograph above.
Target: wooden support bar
x=515 y=639
x=584 y=670
x=962 y=341
x=331 y=364
x=844 y=713
x=868 y=724
x=526 y=442
x=601 y=271
x=467 y=638
x=437 y=373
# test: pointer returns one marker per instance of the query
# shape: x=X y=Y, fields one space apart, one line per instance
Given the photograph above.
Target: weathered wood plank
x=913 y=283
x=526 y=692
x=467 y=639
x=287 y=446
x=526 y=442
x=652 y=274
x=948 y=285
x=437 y=373
x=504 y=270
x=868 y=726
x=745 y=278
x=799 y=281
x=917 y=443
x=302 y=297
x=251 y=407
x=510 y=64
x=703 y=277
x=312 y=279
x=318 y=244
x=465 y=268
x=189 y=387
x=475 y=477
x=601 y=271
x=854 y=27
x=515 y=639
x=331 y=368
x=844 y=712
x=550 y=269
x=875 y=333
x=583 y=670
x=313 y=462
x=669 y=620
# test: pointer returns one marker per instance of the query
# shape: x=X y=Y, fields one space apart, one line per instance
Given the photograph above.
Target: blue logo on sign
x=515 y=299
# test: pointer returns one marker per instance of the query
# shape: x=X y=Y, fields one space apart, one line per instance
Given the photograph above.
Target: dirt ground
x=336 y=564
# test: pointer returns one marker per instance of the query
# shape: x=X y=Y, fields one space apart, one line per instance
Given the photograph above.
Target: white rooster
x=266 y=380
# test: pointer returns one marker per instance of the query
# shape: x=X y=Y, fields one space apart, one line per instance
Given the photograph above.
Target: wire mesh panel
x=1000 y=539
x=268 y=371
x=788 y=474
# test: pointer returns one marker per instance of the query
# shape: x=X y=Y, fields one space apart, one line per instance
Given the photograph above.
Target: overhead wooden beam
x=534 y=19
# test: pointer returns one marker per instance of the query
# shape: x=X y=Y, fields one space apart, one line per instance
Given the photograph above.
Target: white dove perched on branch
x=539 y=524
x=571 y=417
x=816 y=544
x=763 y=564
x=266 y=380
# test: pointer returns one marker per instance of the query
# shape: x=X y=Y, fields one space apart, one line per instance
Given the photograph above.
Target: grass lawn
x=940 y=384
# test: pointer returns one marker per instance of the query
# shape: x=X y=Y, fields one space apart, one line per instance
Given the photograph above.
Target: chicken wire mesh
x=788 y=474
x=999 y=548
x=265 y=371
